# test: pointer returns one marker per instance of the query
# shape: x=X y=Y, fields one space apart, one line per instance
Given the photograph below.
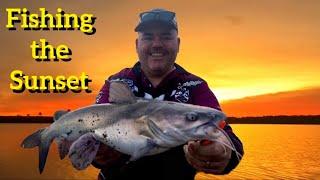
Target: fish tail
x=43 y=153
x=34 y=140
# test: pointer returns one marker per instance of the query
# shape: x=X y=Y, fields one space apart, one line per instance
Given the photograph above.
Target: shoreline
x=303 y=119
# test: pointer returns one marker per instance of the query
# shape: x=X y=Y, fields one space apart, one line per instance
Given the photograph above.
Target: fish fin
x=83 y=151
x=149 y=144
x=32 y=140
x=119 y=92
x=57 y=115
x=63 y=147
x=142 y=123
x=154 y=128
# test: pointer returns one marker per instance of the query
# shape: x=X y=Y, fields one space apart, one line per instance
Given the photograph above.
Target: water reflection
x=271 y=151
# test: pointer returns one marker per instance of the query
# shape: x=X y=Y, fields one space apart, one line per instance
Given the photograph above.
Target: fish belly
x=121 y=136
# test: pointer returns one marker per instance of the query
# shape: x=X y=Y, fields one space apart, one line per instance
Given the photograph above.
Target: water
x=271 y=152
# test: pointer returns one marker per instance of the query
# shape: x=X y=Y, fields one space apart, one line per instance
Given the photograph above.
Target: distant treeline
x=26 y=119
x=312 y=119
x=306 y=119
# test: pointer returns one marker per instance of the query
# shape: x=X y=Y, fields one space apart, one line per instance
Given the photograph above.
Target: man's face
x=157 y=48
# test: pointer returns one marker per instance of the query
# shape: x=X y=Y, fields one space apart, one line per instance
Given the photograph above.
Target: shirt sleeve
x=203 y=96
x=103 y=96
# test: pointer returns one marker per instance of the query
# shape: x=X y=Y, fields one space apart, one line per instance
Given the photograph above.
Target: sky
x=258 y=57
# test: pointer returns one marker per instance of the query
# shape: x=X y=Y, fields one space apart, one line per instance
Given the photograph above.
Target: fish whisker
x=232 y=147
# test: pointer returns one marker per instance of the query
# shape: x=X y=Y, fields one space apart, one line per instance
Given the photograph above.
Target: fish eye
x=192 y=116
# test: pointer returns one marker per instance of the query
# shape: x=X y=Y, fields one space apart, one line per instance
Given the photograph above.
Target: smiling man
x=157 y=76
x=157 y=47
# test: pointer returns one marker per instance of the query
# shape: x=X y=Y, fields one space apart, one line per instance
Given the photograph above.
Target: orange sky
x=241 y=48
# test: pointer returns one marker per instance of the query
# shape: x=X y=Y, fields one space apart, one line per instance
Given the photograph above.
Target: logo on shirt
x=182 y=93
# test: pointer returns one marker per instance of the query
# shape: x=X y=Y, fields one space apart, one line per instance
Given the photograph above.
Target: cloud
x=299 y=102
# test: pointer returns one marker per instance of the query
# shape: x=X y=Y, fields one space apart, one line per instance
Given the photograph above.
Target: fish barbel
x=131 y=125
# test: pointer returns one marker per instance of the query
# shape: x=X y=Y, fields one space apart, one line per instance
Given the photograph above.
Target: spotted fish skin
x=131 y=125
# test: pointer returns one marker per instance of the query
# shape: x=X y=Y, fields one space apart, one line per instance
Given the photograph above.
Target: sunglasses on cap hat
x=165 y=17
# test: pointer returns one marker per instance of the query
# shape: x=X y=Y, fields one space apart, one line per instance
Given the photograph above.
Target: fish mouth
x=207 y=130
x=205 y=125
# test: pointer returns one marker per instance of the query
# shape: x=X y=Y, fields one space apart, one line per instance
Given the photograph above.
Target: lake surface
x=271 y=152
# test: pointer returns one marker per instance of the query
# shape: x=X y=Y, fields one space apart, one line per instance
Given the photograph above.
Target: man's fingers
x=215 y=151
x=206 y=166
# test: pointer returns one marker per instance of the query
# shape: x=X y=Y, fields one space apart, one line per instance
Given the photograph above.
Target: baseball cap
x=159 y=16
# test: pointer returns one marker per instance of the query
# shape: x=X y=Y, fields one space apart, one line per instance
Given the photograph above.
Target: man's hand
x=207 y=156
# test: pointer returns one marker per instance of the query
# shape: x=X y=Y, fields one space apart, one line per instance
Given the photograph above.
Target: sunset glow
x=266 y=51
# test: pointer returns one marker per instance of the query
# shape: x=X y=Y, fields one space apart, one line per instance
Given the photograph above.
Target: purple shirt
x=178 y=86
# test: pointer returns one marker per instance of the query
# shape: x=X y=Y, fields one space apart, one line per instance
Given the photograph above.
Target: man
x=157 y=76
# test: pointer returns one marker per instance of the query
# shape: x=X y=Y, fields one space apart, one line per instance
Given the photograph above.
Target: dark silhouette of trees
x=306 y=119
